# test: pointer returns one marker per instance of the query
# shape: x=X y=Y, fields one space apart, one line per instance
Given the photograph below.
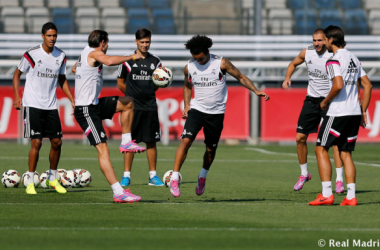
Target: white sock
x=203 y=173
x=152 y=174
x=125 y=138
x=304 y=170
x=339 y=174
x=117 y=189
x=31 y=178
x=175 y=176
x=52 y=174
x=326 y=188
x=351 y=191
x=127 y=174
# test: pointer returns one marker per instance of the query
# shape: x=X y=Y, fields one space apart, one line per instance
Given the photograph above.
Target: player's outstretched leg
x=302 y=158
x=125 y=106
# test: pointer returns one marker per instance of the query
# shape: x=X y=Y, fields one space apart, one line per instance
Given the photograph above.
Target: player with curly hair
x=206 y=73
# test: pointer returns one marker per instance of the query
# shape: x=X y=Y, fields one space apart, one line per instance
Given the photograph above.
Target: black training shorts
x=41 y=123
x=145 y=126
x=311 y=115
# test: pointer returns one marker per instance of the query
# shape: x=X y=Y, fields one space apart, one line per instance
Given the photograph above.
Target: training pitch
x=249 y=203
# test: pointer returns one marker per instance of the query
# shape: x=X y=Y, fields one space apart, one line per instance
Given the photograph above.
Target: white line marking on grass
x=186 y=229
x=260 y=150
x=162 y=160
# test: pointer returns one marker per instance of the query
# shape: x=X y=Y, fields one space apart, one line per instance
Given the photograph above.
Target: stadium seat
x=305 y=22
x=138 y=13
x=159 y=4
x=63 y=19
x=114 y=20
x=136 y=23
x=83 y=3
x=32 y=3
x=349 y=4
x=296 y=4
x=132 y=4
x=271 y=4
x=371 y=4
x=374 y=21
x=280 y=21
x=163 y=21
x=355 y=22
x=8 y=3
x=13 y=19
x=330 y=17
x=58 y=3
x=162 y=13
x=108 y=3
x=87 y=19
x=36 y=17
x=325 y=4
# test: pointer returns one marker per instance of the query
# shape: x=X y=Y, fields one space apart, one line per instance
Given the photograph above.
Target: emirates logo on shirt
x=49 y=74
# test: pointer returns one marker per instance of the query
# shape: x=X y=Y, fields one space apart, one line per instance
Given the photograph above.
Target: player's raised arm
x=292 y=67
x=187 y=91
x=228 y=67
x=101 y=57
x=17 y=102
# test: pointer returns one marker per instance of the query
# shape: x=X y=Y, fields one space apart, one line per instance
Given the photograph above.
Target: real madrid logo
x=152 y=66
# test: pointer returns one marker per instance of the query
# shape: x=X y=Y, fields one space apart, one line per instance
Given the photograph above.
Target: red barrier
x=279 y=116
x=236 y=123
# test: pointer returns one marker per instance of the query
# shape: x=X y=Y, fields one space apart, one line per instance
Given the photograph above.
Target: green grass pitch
x=249 y=203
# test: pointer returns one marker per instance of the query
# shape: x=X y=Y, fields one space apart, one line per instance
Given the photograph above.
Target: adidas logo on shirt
x=135 y=65
x=310 y=62
x=352 y=67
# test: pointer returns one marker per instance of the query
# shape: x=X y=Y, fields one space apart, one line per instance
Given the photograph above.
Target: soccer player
x=344 y=115
x=315 y=57
x=135 y=80
x=45 y=66
x=90 y=110
x=206 y=73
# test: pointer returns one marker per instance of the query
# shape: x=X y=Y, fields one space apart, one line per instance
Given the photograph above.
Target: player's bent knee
x=186 y=143
x=301 y=138
x=56 y=144
x=36 y=144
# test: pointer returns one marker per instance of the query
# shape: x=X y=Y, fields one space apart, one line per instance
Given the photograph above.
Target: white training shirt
x=209 y=83
x=343 y=63
x=319 y=85
x=42 y=71
x=88 y=80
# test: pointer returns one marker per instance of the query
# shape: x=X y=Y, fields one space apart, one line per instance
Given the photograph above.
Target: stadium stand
x=33 y=3
x=355 y=22
x=305 y=21
x=325 y=4
x=330 y=17
x=164 y=4
x=87 y=19
x=371 y=4
x=281 y=21
x=374 y=21
x=296 y=4
x=114 y=20
x=132 y=4
x=349 y=4
x=13 y=19
x=83 y=3
x=62 y=18
x=275 y=4
x=163 y=21
x=137 y=18
x=36 y=17
x=7 y=3
x=108 y=3
x=58 y=4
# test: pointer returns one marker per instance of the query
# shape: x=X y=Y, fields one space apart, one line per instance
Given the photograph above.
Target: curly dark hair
x=198 y=44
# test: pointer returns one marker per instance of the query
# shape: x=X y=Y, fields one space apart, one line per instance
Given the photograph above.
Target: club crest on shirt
x=152 y=66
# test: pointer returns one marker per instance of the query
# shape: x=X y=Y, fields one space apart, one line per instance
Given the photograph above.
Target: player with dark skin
x=49 y=40
x=226 y=66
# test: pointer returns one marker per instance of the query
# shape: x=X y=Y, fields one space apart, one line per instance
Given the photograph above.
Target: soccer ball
x=10 y=178
x=60 y=173
x=162 y=77
x=71 y=179
x=36 y=180
x=85 y=179
x=167 y=176
x=43 y=178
